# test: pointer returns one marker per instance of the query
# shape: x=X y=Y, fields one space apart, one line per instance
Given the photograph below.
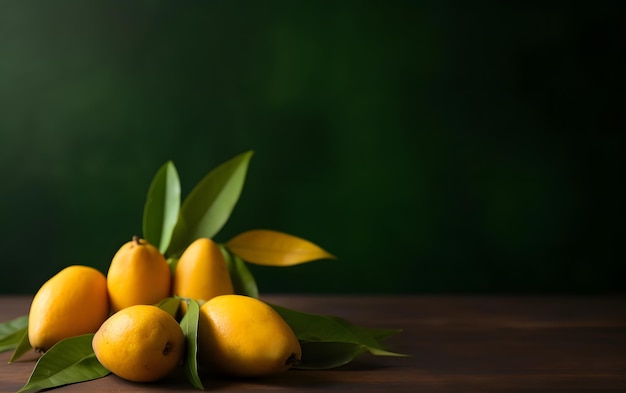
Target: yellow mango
x=201 y=272
x=140 y=343
x=71 y=303
x=242 y=336
x=138 y=274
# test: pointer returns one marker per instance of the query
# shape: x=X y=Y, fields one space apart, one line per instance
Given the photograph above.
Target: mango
x=201 y=272
x=71 y=303
x=244 y=337
x=140 y=343
x=138 y=274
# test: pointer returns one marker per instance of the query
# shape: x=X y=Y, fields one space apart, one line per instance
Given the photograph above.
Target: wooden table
x=457 y=343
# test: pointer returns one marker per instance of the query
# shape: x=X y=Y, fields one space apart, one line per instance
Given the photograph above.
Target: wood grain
x=456 y=343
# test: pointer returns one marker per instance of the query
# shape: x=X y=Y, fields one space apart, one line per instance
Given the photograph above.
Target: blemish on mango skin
x=71 y=303
x=292 y=360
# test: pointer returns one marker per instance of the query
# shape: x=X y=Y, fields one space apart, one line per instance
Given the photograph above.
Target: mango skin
x=244 y=337
x=201 y=272
x=140 y=343
x=71 y=303
x=138 y=274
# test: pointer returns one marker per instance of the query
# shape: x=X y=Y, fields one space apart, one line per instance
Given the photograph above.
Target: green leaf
x=160 y=212
x=9 y=327
x=333 y=341
x=22 y=347
x=380 y=333
x=209 y=205
x=10 y=342
x=241 y=277
x=170 y=305
x=189 y=324
x=172 y=262
x=323 y=355
x=11 y=332
x=69 y=361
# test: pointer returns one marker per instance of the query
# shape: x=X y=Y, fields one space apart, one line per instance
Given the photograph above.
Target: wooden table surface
x=456 y=343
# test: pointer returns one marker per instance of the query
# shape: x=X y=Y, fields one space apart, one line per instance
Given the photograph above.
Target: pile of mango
x=134 y=339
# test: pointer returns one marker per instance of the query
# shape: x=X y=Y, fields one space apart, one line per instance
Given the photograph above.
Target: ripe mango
x=71 y=303
x=201 y=272
x=140 y=343
x=138 y=274
x=243 y=336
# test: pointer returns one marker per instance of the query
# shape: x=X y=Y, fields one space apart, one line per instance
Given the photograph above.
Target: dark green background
x=439 y=146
